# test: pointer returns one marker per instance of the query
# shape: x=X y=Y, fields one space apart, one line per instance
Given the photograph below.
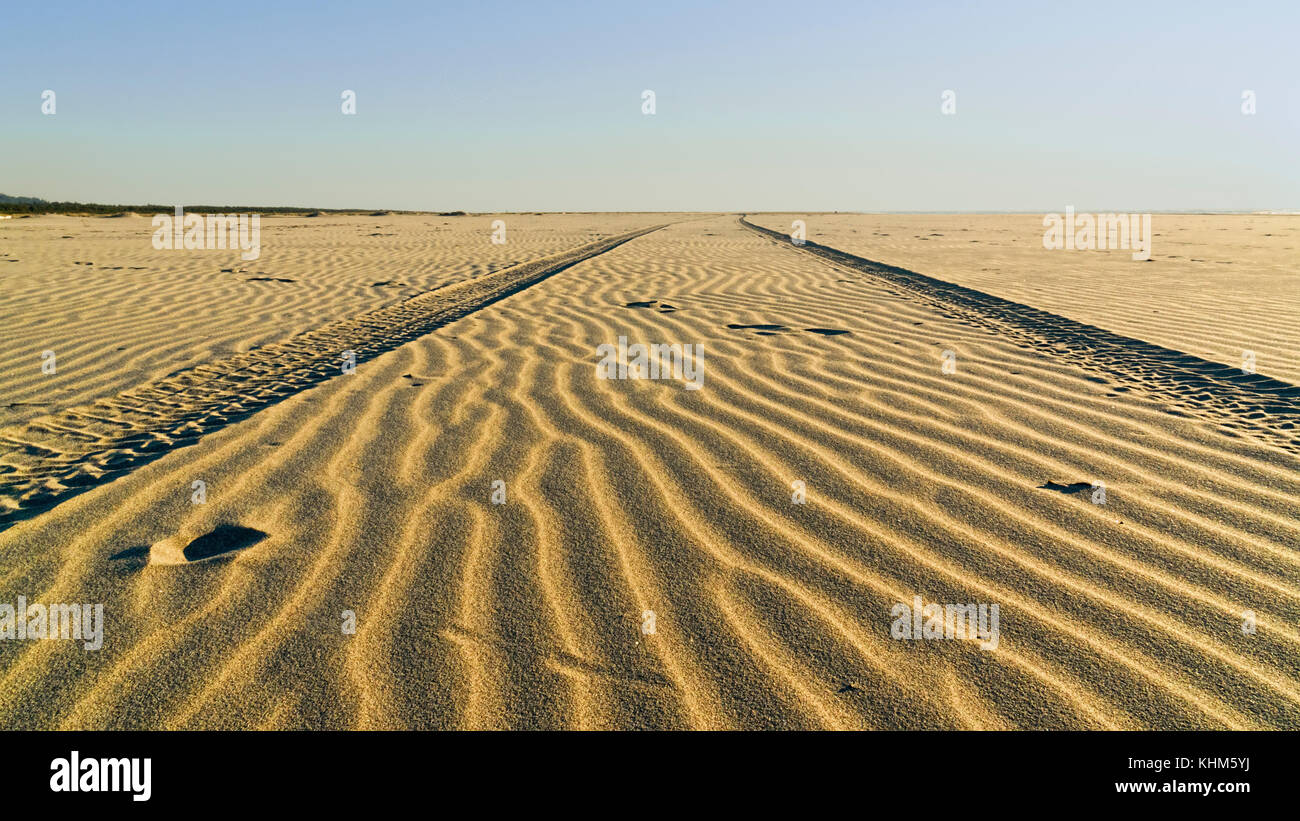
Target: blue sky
x=499 y=106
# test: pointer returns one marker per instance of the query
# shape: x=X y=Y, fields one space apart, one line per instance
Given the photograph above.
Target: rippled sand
x=372 y=492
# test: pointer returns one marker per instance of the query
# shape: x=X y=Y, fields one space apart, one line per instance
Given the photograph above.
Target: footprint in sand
x=221 y=541
x=767 y=329
x=1073 y=487
x=664 y=307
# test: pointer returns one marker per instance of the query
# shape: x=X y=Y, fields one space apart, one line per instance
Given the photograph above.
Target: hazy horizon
x=750 y=211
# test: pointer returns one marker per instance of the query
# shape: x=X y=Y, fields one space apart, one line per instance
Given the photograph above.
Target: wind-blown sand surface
x=371 y=492
x=1216 y=286
x=118 y=313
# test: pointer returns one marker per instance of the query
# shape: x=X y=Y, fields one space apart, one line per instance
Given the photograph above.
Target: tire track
x=51 y=459
x=1267 y=408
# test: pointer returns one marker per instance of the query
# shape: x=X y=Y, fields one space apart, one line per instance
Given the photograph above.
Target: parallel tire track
x=52 y=458
x=1267 y=408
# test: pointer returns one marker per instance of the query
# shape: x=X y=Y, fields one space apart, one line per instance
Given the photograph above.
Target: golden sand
x=372 y=492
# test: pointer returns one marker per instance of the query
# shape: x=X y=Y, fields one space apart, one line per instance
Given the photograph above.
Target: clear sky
x=803 y=106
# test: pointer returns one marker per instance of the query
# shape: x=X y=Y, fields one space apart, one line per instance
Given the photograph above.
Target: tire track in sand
x=1267 y=408
x=50 y=459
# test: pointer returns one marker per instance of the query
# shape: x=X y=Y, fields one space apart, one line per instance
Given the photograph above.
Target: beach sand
x=638 y=505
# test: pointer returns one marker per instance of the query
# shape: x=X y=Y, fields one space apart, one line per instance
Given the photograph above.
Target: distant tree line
x=35 y=205
x=32 y=205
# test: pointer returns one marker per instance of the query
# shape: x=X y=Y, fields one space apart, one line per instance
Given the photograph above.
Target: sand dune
x=372 y=492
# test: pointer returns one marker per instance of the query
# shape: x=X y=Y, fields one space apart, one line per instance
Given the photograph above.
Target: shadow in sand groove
x=224 y=539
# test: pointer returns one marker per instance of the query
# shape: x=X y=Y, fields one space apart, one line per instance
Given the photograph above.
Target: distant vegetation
x=6 y=200
x=35 y=205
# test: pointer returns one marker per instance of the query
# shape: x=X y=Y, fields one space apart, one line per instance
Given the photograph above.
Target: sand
x=372 y=492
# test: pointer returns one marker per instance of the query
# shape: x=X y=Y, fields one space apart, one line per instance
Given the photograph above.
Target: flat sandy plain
x=371 y=492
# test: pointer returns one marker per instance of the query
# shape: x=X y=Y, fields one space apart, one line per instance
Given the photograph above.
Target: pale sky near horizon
x=806 y=106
